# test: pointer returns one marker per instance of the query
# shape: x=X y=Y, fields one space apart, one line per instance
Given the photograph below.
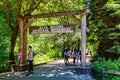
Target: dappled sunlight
x=56 y=70
x=54 y=29
x=50 y=75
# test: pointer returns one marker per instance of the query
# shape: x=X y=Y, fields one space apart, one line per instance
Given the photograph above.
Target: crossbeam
x=56 y=14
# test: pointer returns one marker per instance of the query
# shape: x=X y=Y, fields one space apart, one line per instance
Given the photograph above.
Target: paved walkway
x=52 y=71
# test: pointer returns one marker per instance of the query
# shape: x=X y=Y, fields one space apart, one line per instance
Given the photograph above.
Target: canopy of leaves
x=104 y=24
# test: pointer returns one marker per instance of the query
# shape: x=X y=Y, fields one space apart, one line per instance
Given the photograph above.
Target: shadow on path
x=52 y=71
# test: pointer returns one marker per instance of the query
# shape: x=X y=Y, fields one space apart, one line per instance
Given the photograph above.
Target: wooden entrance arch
x=25 y=21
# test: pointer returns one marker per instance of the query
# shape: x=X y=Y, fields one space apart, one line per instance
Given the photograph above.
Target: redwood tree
x=105 y=25
x=13 y=9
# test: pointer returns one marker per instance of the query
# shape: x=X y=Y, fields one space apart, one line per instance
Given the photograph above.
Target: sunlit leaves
x=50 y=6
x=76 y=36
x=113 y=6
x=107 y=65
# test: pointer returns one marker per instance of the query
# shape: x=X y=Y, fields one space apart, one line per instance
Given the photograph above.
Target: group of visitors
x=73 y=54
x=29 y=59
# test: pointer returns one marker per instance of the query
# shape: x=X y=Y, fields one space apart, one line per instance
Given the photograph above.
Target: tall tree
x=13 y=9
x=104 y=24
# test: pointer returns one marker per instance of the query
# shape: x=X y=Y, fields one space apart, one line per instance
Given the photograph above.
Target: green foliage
x=104 y=27
x=3 y=67
x=103 y=22
x=4 y=42
x=39 y=58
x=49 y=6
x=54 y=54
x=46 y=46
x=4 y=45
x=108 y=65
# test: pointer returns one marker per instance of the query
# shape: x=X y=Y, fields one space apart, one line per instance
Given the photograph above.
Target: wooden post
x=83 y=34
x=21 y=25
x=23 y=37
x=24 y=46
x=23 y=40
x=83 y=54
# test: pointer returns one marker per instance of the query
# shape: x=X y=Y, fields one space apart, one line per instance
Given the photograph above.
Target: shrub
x=3 y=67
x=108 y=65
x=54 y=54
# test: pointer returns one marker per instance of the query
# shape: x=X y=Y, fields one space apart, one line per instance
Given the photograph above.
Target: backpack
x=33 y=53
x=66 y=53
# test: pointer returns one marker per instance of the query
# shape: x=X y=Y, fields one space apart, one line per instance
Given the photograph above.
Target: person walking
x=63 y=51
x=77 y=56
x=66 y=56
x=80 y=55
x=30 y=60
x=74 y=56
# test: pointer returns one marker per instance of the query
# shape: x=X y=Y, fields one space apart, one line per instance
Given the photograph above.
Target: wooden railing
x=109 y=72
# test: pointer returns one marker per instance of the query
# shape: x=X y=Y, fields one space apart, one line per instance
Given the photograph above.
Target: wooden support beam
x=56 y=14
x=75 y=19
x=83 y=25
x=24 y=46
x=83 y=55
x=21 y=24
x=22 y=39
x=110 y=72
x=27 y=24
x=78 y=21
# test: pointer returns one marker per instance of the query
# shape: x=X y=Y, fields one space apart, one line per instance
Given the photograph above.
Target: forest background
x=103 y=40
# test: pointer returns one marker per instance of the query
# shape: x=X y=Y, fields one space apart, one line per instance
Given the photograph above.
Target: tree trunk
x=12 y=44
x=24 y=46
x=23 y=39
x=105 y=45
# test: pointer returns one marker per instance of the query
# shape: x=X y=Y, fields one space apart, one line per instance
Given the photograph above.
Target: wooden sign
x=69 y=28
